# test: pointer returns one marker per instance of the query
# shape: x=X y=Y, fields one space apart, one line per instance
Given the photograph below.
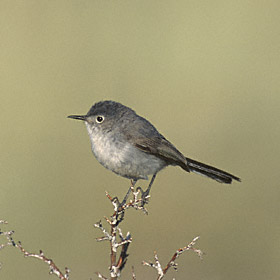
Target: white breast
x=121 y=157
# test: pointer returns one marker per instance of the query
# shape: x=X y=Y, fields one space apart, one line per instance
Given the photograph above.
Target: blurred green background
x=205 y=73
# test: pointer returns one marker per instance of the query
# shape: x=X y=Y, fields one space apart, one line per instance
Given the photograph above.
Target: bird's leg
x=145 y=194
x=133 y=182
x=119 y=210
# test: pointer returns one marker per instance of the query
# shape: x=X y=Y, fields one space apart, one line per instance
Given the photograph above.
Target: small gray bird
x=130 y=146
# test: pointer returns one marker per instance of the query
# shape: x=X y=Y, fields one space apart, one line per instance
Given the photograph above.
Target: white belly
x=123 y=158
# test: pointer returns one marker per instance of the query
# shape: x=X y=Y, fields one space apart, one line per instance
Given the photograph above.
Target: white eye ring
x=99 y=119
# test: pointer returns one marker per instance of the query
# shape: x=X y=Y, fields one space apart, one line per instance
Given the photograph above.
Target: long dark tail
x=210 y=171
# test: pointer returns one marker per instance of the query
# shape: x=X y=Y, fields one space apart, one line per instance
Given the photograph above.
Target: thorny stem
x=161 y=272
x=113 y=268
x=172 y=263
x=117 y=264
x=114 y=221
x=52 y=266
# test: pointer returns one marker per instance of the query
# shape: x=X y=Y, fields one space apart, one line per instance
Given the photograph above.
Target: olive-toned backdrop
x=206 y=73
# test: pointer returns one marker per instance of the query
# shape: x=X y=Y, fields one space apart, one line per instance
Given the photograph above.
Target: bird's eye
x=99 y=119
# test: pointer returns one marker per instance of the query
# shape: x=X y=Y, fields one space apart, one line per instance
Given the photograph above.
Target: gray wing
x=162 y=149
x=144 y=136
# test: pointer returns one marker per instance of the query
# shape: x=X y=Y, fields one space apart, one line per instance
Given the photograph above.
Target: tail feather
x=210 y=171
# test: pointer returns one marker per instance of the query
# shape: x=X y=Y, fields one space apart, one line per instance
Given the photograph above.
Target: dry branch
x=53 y=268
x=115 y=235
x=119 y=243
x=162 y=271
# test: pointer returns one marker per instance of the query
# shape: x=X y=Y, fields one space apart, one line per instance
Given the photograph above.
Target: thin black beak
x=78 y=117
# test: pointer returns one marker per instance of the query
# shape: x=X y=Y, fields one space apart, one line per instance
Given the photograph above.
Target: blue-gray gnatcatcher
x=130 y=146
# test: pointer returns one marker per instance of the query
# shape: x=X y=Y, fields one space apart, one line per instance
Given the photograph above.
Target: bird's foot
x=145 y=195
